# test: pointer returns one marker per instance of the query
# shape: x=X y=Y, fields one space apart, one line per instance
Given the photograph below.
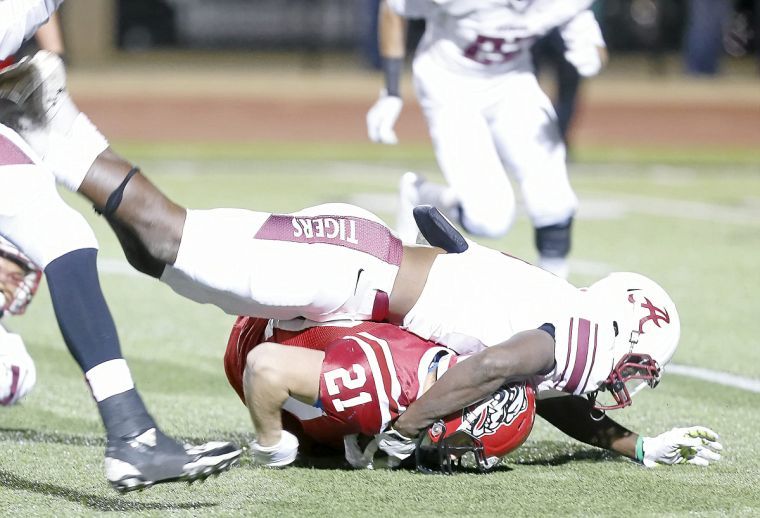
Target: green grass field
x=696 y=229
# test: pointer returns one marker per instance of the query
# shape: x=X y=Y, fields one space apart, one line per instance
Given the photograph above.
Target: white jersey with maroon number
x=488 y=36
x=482 y=297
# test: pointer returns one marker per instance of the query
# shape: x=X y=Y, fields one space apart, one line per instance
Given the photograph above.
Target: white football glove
x=382 y=117
x=694 y=445
x=584 y=44
x=358 y=458
x=395 y=445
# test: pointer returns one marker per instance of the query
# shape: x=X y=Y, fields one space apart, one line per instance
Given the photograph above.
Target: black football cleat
x=134 y=463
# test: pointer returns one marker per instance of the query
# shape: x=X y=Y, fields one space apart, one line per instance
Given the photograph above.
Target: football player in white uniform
x=337 y=262
x=474 y=79
x=58 y=239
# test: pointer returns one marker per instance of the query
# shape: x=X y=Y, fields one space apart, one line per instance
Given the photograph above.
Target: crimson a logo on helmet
x=656 y=315
x=501 y=409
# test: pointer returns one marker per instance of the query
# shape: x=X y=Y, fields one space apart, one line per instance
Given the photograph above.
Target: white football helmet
x=23 y=286
x=647 y=329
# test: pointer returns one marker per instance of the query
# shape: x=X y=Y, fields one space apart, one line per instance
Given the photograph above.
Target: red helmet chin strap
x=632 y=366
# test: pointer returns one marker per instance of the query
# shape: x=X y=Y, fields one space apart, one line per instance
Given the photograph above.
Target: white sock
x=279 y=455
x=109 y=378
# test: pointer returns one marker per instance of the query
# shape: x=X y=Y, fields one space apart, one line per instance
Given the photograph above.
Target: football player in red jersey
x=338 y=382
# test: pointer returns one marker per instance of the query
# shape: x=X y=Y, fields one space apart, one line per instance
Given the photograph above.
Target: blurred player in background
x=340 y=262
x=61 y=243
x=273 y=374
x=48 y=37
x=19 y=279
x=474 y=79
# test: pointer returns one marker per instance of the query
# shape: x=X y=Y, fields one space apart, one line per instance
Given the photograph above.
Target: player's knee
x=493 y=222
x=554 y=240
x=264 y=364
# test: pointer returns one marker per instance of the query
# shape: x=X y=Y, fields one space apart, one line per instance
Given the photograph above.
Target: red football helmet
x=481 y=434
x=22 y=285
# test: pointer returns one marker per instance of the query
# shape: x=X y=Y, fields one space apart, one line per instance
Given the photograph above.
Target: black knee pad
x=554 y=240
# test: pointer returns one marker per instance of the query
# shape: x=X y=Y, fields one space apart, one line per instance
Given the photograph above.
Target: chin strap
x=595 y=413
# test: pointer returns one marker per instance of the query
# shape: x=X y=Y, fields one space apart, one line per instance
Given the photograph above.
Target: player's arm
x=49 y=36
x=19 y=19
x=523 y=356
x=585 y=48
x=392 y=41
x=554 y=14
x=575 y=416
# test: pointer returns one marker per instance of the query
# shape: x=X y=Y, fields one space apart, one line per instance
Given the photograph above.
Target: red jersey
x=370 y=374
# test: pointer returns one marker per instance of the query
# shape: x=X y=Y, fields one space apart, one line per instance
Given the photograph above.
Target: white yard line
x=721 y=378
x=118 y=267
x=601 y=205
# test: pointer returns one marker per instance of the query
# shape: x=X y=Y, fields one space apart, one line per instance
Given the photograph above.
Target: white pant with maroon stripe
x=32 y=214
x=322 y=263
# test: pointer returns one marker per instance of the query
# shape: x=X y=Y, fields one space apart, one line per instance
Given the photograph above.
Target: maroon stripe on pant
x=10 y=154
x=351 y=232
x=14 y=385
x=581 y=355
x=593 y=357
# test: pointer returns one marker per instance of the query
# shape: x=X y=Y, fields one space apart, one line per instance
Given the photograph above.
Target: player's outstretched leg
x=34 y=101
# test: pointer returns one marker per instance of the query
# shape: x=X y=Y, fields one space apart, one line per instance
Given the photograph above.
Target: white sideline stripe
x=721 y=378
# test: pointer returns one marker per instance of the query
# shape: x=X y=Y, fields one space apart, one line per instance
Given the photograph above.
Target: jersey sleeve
x=19 y=19
x=582 y=353
x=583 y=38
x=545 y=15
x=411 y=8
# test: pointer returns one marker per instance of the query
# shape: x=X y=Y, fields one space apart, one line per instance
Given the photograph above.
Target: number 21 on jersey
x=351 y=381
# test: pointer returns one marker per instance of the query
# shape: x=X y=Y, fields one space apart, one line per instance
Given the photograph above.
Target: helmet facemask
x=23 y=283
x=477 y=437
x=618 y=387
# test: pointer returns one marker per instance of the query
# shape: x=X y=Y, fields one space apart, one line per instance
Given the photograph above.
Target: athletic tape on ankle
x=109 y=378
x=114 y=200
